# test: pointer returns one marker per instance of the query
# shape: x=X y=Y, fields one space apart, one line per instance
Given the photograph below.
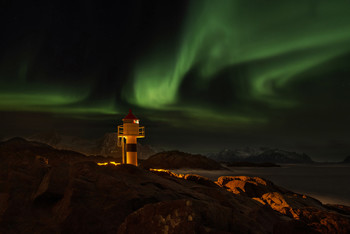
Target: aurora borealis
x=201 y=75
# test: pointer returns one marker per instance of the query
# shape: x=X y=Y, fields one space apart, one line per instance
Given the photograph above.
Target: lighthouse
x=127 y=138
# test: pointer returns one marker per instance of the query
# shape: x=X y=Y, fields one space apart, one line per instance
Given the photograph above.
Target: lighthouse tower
x=127 y=138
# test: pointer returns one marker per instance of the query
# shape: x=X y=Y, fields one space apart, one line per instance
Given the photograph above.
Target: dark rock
x=65 y=192
x=177 y=159
x=339 y=208
x=200 y=180
x=299 y=207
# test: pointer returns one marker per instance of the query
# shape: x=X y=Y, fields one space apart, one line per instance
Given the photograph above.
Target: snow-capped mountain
x=261 y=154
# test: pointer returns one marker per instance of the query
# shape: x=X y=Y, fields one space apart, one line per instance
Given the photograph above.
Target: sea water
x=329 y=183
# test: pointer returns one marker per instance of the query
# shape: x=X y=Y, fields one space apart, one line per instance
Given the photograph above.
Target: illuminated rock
x=296 y=206
x=72 y=194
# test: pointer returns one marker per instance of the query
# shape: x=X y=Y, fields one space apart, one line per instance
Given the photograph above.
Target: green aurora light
x=276 y=41
x=201 y=75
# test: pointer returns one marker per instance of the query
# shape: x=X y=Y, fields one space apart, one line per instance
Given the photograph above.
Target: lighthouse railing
x=120 y=130
x=142 y=131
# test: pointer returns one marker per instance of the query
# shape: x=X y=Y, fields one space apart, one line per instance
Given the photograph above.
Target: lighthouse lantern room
x=127 y=138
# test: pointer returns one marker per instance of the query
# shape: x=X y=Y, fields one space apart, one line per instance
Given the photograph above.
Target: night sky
x=200 y=75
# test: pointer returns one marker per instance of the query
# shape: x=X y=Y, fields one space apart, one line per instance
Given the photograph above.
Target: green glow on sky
x=16 y=100
x=27 y=83
x=276 y=41
x=262 y=49
x=220 y=120
x=228 y=71
x=46 y=98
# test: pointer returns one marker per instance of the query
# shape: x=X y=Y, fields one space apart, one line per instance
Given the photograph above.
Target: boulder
x=177 y=160
x=66 y=192
x=299 y=207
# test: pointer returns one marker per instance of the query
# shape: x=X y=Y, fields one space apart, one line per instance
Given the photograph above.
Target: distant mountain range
x=105 y=146
x=260 y=155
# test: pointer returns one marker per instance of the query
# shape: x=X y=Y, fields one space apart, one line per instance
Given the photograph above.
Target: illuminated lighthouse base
x=131 y=150
x=127 y=138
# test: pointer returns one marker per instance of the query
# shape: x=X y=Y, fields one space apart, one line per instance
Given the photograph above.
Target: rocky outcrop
x=66 y=192
x=299 y=207
x=177 y=159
